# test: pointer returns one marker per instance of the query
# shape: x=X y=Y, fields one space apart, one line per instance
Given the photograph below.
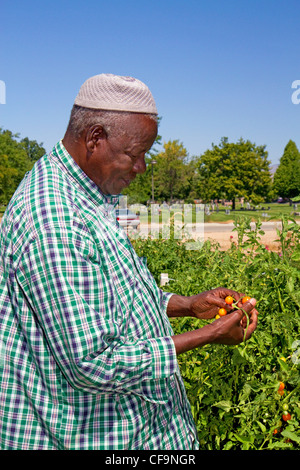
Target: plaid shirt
x=86 y=355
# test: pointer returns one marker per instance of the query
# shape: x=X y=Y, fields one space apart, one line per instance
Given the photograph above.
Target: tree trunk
x=233 y=204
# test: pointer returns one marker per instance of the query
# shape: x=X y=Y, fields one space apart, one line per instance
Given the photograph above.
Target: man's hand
x=204 y=305
x=207 y=304
x=233 y=328
x=230 y=329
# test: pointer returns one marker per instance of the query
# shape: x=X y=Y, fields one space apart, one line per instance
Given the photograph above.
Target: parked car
x=126 y=218
x=282 y=200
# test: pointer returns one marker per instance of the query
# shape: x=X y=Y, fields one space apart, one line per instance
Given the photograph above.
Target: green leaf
x=284 y=366
x=296 y=256
x=279 y=445
x=244 y=439
x=237 y=357
x=291 y=435
x=262 y=426
x=224 y=405
x=228 y=445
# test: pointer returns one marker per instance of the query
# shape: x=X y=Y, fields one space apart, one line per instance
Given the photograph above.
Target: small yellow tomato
x=222 y=312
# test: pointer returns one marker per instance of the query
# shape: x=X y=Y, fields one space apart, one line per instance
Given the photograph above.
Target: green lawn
x=276 y=210
x=262 y=212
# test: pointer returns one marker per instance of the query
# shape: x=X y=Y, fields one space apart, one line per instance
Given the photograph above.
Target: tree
x=34 y=150
x=231 y=170
x=172 y=172
x=286 y=182
x=140 y=189
x=15 y=161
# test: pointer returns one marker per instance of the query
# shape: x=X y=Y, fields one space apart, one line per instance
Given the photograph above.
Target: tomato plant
x=234 y=390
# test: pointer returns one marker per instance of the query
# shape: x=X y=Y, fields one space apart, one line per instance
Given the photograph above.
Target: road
x=220 y=233
x=213 y=227
x=228 y=227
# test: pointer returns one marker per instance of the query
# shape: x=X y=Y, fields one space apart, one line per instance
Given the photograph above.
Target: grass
x=273 y=211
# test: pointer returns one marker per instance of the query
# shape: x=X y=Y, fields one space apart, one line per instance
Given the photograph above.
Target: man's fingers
x=248 y=306
x=217 y=301
x=214 y=300
x=220 y=302
x=253 y=323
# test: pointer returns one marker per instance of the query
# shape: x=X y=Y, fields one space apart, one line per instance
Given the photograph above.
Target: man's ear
x=93 y=136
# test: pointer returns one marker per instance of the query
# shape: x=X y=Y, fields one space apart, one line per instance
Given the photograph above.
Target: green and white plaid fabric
x=86 y=355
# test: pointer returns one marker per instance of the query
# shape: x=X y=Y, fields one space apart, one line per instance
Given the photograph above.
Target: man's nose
x=140 y=165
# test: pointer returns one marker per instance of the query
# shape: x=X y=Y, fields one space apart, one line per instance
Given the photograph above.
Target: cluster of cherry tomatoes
x=285 y=408
x=285 y=415
x=229 y=301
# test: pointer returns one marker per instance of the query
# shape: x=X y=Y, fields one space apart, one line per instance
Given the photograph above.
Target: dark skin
x=229 y=329
x=113 y=162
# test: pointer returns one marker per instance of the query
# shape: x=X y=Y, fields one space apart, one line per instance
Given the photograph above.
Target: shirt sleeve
x=74 y=301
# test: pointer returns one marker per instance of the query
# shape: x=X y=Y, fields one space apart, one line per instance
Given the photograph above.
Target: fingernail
x=252 y=301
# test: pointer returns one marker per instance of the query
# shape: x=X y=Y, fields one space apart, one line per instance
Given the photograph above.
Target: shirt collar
x=61 y=154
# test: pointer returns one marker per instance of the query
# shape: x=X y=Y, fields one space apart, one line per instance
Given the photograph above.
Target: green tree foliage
x=286 y=182
x=173 y=174
x=231 y=170
x=140 y=189
x=16 y=158
x=34 y=150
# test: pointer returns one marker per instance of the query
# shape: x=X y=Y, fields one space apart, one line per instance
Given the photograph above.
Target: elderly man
x=87 y=353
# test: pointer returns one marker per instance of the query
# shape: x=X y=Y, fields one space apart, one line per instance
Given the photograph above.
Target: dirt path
x=224 y=234
x=225 y=240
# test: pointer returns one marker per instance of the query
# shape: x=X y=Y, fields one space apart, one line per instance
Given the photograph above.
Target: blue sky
x=215 y=67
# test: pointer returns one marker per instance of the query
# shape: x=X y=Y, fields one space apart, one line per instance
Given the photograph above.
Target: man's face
x=116 y=160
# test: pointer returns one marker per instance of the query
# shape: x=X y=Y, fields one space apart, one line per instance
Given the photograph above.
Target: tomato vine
x=234 y=391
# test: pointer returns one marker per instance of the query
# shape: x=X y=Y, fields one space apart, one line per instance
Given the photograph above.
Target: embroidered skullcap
x=116 y=93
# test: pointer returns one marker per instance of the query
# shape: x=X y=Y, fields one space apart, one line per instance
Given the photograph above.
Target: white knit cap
x=116 y=93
